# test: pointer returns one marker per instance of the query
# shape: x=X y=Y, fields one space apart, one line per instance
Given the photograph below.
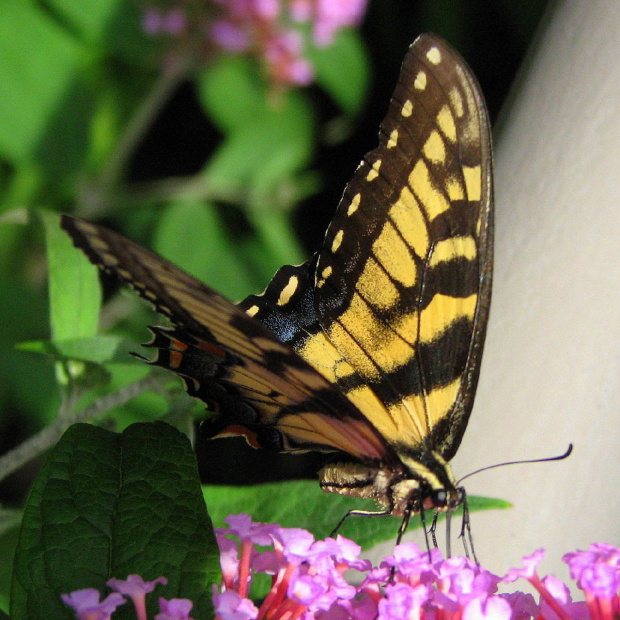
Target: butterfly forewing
x=403 y=279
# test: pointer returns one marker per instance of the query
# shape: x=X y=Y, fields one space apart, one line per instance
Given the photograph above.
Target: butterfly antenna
x=545 y=460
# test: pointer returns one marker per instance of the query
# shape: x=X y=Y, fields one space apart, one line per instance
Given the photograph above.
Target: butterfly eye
x=439 y=498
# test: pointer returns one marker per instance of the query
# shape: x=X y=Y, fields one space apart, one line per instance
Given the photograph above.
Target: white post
x=551 y=370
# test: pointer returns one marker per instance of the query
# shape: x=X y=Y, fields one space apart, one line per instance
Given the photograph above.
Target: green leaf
x=98 y=350
x=108 y=505
x=190 y=234
x=44 y=112
x=342 y=69
x=75 y=292
x=267 y=138
x=88 y=18
x=318 y=512
x=232 y=92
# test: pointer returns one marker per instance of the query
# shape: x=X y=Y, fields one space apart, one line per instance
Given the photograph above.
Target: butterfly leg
x=466 y=533
x=359 y=513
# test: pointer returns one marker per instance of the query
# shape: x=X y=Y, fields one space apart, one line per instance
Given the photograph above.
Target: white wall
x=551 y=371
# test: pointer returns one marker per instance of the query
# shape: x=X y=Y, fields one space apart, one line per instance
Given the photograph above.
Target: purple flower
x=283 y=57
x=333 y=15
x=136 y=589
x=267 y=9
x=596 y=570
x=309 y=584
x=491 y=608
x=295 y=543
x=87 y=606
x=403 y=601
x=230 y=36
x=523 y=605
x=412 y=563
x=561 y=597
x=268 y=562
x=230 y=606
x=174 y=609
x=174 y=22
x=156 y=22
x=134 y=585
x=152 y=21
x=267 y=29
x=462 y=579
x=319 y=590
x=329 y=16
x=530 y=562
x=258 y=533
x=229 y=557
x=329 y=553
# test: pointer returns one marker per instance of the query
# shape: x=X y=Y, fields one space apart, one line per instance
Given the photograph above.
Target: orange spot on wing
x=175 y=359
x=212 y=348
x=240 y=431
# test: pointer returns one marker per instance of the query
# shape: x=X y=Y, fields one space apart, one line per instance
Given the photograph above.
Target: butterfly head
x=444 y=500
x=427 y=483
x=414 y=496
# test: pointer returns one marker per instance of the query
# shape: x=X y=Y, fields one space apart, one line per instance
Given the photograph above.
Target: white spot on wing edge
x=434 y=55
x=407 y=108
x=252 y=310
x=374 y=172
x=355 y=203
x=420 y=81
x=393 y=140
x=288 y=291
x=337 y=240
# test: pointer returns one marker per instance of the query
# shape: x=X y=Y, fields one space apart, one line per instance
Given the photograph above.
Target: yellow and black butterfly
x=371 y=349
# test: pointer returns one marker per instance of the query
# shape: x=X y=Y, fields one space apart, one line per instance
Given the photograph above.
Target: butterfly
x=371 y=349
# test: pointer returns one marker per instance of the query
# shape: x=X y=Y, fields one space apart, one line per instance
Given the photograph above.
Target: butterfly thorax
x=415 y=483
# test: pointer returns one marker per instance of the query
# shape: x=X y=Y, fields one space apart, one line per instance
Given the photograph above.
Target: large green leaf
x=108 y=505
x=302 y=503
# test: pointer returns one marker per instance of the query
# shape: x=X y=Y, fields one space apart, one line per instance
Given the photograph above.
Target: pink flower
x=174 y=609
x=266 y=29
x=87 y=606
x=530 y=562
x=230 y=606
x=491 y=608
x=136 y=589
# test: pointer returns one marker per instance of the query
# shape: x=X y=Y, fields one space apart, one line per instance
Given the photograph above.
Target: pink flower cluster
x=267 y=29
x=308 y=583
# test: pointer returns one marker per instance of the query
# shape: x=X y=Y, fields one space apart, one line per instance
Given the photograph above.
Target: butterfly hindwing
x=261 y=388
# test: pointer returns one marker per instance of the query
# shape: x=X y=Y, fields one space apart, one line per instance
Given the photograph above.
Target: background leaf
x=302 y=503
x=348 y=79
x=75 y=292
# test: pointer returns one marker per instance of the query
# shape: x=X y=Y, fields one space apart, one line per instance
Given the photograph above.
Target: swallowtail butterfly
x=371 y=349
